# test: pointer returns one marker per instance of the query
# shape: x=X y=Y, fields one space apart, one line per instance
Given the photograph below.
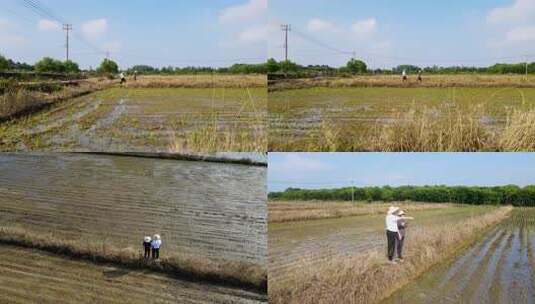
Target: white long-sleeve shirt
x=156 y=244
x=392 y=223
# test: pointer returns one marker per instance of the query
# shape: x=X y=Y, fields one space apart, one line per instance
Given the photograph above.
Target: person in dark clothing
x=402 y=225
x=147 y=246
x=391 y=231
x=420 y=76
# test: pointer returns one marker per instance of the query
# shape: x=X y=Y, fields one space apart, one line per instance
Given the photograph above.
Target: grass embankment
x=394 y=81
x=369 y=278
x=20 y=99
x=287 y=211
x=198 y=81
x=240 y=274
x=423 y=130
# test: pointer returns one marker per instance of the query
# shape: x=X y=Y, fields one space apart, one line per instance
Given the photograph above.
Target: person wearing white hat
x=391 y=231
x=402 y=225
x=147 y=246
x=156 y=244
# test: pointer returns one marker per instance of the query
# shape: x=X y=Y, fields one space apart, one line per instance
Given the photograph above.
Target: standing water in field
x=499 y=268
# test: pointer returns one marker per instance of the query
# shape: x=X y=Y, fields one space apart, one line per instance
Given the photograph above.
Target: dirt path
x=28 y=276
x=499 y=268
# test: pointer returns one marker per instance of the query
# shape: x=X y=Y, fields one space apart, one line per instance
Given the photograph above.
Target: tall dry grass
x=198 y=81
x=286 y=211
x=219 y=271
x=218 y=135
x=368 y=277
x=432 y=81
x=519 y=132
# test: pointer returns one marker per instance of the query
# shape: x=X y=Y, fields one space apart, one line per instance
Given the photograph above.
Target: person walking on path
x=392 y=232
x=402 y=226
x=155 y=245
x=147 y=246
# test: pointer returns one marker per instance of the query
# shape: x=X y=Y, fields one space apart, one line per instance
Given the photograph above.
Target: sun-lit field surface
x=389 y=119
x=146 y=119
x=28 y=276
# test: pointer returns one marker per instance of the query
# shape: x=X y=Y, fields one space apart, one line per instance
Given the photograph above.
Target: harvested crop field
x=194 y=205
x=292 y=244
x=28 y=276
x=401 y=119
x=499 y=268
x=146 y=119
x=211 y=215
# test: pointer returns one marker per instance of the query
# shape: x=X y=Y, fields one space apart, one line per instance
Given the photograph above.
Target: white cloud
x=114 y=47
x=48 y=25
x=521 y=34
x=13 y=40
x=254 y=34
x=318 y=25
x=93 y=29
x=4 y=23
x=364 y=27
x=251 y=10
x=520 y=10
x=295 y=163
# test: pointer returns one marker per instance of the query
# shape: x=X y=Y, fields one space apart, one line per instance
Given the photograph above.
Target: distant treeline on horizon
x=355 y=66
x=271 y=66
x=497 y=195
x=50 y=65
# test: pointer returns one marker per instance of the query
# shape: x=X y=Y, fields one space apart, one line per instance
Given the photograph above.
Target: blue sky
x=390 y=32
x=159 y=33
x=328 y=170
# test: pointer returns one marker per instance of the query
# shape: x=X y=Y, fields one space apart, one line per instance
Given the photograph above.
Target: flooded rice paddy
x=123 y=119
x=312 y=241
x=28 y=276
x=499 y=268
x=209 y=210
x=296 y=117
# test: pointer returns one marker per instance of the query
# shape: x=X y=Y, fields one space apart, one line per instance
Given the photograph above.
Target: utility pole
x=286 y=28
x=67 y=28
x=352 y=193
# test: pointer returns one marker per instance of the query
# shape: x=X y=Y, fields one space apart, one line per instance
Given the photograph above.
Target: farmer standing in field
x=402 y=225
x=420 y=76
x=123 y=78
x=404 y=75
x=147 y=246
x=392 y=231
x=155 y=245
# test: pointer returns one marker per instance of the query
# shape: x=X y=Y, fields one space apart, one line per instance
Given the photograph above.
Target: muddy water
x=211 y=210
x=291 y=243
x=499 y=268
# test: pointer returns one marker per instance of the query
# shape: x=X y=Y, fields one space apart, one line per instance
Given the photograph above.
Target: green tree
x=71 y=67
x=4 y=63
x=49 y=65
x=108 y=67
x=272 y=65
x=356 y=66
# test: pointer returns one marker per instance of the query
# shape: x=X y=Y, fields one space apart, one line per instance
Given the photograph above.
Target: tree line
x=497 y=195
x=108 y=66
x=356 y=66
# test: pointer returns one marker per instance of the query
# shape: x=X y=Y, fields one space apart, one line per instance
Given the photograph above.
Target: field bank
x=293 y=243
x=499 y=268
x=31 y=276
